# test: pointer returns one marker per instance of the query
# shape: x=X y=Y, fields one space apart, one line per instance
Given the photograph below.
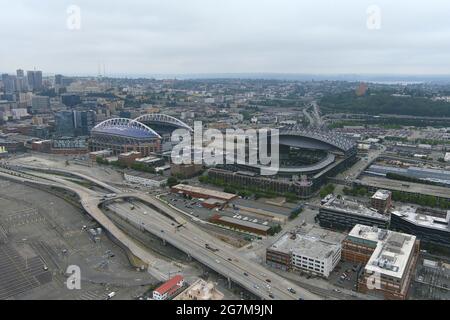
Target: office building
x=389 y=258
x=429 y=225
x=74 y=123
x=9 y=83
x=309 y=249
x=34 y=80
x=342 y=214
x=40 y=104
x=58 y=80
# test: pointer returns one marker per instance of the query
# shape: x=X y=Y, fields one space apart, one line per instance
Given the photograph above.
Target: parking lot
x=344 y=275
x=41 y=235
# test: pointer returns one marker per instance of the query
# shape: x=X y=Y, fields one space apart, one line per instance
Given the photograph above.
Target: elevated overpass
x=189 y=239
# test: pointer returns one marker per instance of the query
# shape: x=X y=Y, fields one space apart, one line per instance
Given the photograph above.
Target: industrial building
x=241 y=224
x=372 y=184
x=122 y=135
x=144 y=179
x=151 y=161
x=389 y=258
x=197 y=192
x=309 y=248
x=430 y=226
x=169 y=289
x=435 y=175
x=342 y=214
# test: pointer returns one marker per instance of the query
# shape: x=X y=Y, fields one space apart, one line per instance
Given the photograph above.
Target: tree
x=172 y=181
x=329 y=188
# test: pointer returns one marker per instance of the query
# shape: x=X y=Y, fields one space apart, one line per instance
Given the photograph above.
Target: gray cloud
x=217 y=36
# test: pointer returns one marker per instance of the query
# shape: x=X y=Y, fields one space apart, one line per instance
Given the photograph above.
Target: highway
x=225 y=261
x=189 y=238
x=90 y=201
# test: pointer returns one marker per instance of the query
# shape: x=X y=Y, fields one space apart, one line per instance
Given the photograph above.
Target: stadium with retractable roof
x=308 y=156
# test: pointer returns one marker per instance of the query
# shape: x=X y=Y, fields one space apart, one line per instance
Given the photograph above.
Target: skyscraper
x=34 y=80
x=9 y=83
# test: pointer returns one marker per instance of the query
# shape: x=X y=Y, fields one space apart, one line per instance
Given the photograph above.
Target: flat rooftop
x=149 y=159
x=207 y=192
x=381 y=194
x=244 y=223
x=310 y=241
x=130 y=153
x=352 y=207
x=200 y=290
x=392 y=251
x=422 y=219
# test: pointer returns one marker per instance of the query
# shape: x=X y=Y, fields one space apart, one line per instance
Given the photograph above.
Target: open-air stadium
x=123 y=135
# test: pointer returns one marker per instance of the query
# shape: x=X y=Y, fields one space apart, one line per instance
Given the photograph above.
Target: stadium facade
x=122 y=135
x=308 y=157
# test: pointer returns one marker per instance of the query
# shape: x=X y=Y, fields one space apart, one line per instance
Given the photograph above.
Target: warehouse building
x=197 y=192
x=169 y=289
x=144 y=179
x=241 y=225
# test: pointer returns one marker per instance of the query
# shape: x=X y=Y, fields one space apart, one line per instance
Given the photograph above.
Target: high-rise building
x=58 y=80
x=21 y=81
x=64 y=123
x=84 y=121
x=9 y=83
x=34 y=80
x=74 y=123
x=40 y=104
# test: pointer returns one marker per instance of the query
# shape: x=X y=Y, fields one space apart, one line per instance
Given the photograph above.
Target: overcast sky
x=225 y=36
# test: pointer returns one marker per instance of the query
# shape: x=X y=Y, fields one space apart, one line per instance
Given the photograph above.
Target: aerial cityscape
x=228 y=183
